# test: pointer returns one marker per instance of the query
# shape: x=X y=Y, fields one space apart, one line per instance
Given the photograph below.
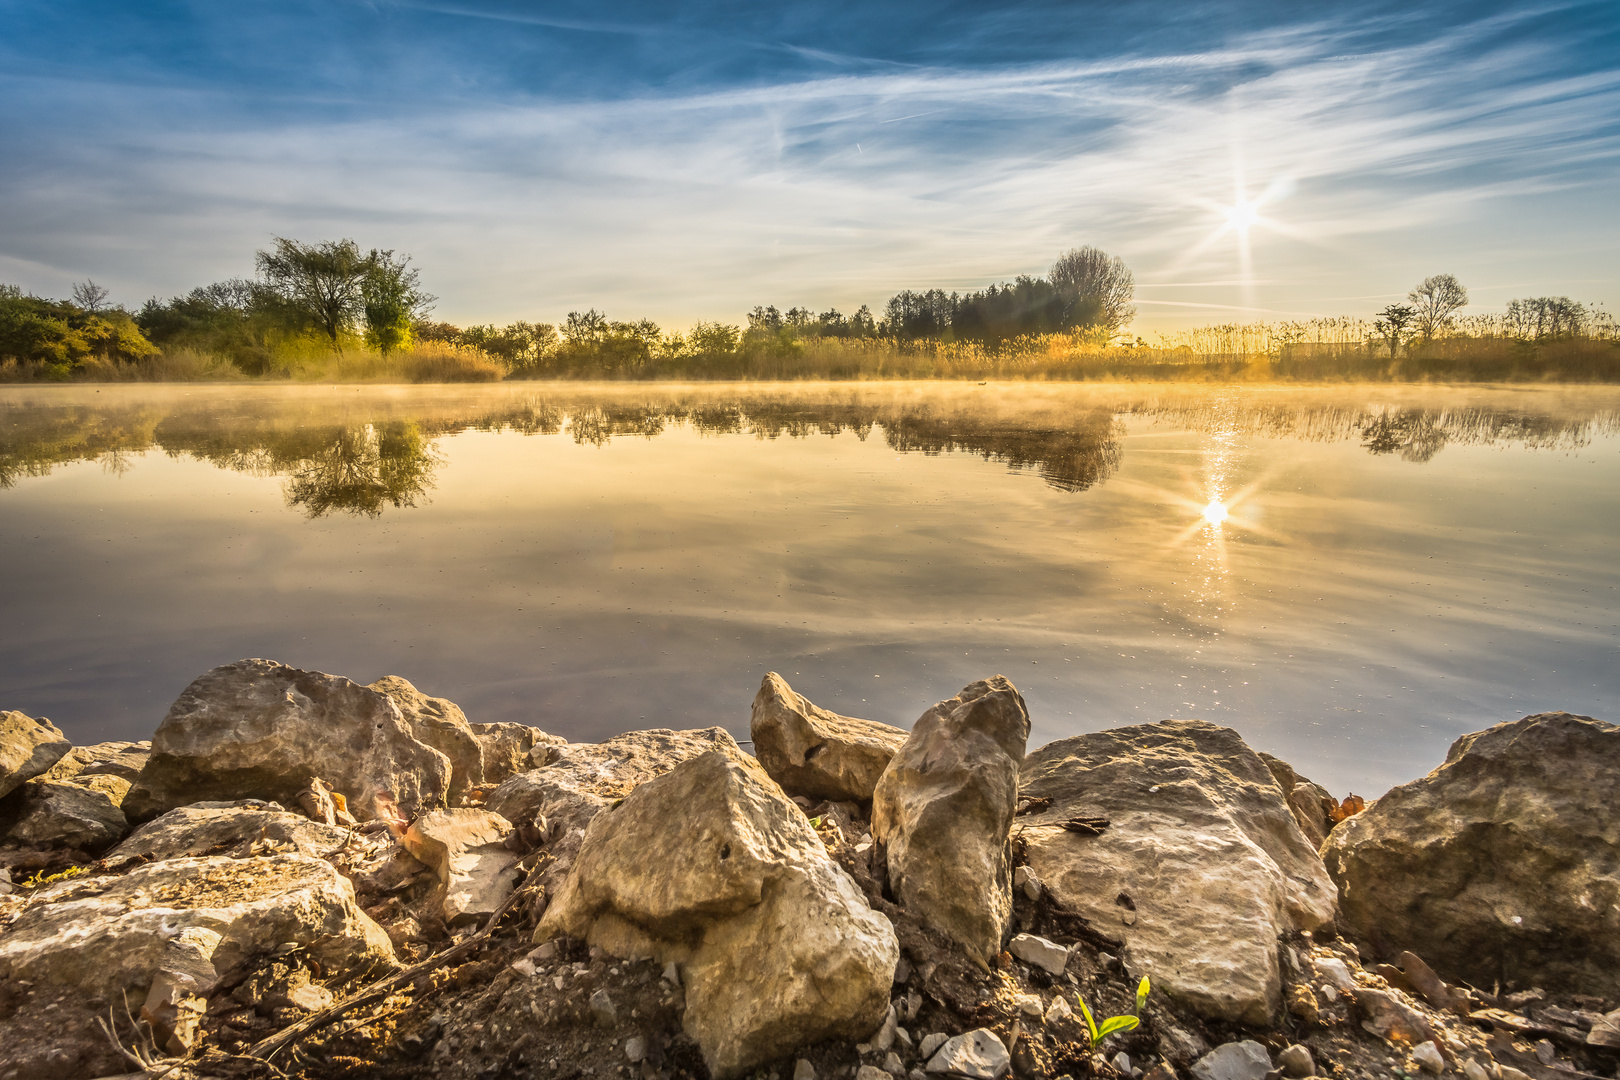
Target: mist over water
x=1351 y=577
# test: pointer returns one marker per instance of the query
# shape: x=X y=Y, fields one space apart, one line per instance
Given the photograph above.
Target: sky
x=1248 y=161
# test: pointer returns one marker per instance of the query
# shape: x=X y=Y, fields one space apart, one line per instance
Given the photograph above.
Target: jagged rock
x=28 y=747
x=49 y=813
x=978 y=1055
x=1429 y=1058
x=811 y=751
x=441 y=724
x=1606 y=1031
x=259 y=729
x=123 y=759
x=1245 y=1060
x=1046 y=955
x=510 y=749
x=465 y=849
x=1200 y=869
x=1309 y=802
x=1296 y=1061
x=776 y=945
x=943 y=809
x=582 y=779
x=239 y=832
x=178 y=997
x=1387 y=1016
x=1500 y=864
x=85 y=942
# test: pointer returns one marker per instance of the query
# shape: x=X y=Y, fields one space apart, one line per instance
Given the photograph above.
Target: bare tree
x=1097 y=287
x=1435 y=302
x=1541 y=317
x=90 y=296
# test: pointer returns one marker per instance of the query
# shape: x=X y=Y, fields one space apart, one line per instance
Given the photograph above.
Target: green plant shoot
x=1114 y=1024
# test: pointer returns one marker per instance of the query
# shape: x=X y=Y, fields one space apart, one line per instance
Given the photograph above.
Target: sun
x=1215 y=512
x=1243 y=216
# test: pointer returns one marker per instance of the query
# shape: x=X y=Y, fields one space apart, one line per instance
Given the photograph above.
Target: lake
x=1350 y=576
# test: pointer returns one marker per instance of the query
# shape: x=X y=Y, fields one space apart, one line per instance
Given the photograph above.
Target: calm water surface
x=1394 y=567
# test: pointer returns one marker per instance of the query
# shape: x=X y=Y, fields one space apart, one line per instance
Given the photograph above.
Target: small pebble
x=1428 y=1057
x=803 y=1070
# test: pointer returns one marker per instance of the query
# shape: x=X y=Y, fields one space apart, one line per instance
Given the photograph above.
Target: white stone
x=930 y=1043
x=811 y=751
x=1029 y=1004
x=1336 y=972
x=1122 y=1062
x=803 y=1070
x=978 y=1055
x=1296 y=1062
x=1245 y=1060
x=1046 y=955
x=1025 y=881
x=465 y=849
x=1428 y=1057
x=635 y=1048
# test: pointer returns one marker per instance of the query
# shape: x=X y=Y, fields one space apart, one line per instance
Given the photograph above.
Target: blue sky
x=689 y=161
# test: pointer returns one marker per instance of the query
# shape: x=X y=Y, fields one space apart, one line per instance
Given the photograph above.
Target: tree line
x=336 y=295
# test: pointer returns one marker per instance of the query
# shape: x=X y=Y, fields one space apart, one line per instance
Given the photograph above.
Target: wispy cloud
x=1473 y=151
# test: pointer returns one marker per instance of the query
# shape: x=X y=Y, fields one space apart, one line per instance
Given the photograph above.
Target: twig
x=267 y=1048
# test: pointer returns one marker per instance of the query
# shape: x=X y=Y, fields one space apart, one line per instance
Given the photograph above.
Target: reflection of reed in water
x=370 y=454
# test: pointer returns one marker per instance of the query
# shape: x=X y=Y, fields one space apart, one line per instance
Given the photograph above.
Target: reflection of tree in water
x=364 y=469
x=364 y=457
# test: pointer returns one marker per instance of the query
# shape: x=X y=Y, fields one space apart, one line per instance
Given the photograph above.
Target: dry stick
x=267 y=1048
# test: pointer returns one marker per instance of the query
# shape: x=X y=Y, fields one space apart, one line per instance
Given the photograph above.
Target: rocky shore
x=302 y=876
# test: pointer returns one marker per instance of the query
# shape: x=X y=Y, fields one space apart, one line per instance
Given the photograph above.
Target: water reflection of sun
x=1215 y=512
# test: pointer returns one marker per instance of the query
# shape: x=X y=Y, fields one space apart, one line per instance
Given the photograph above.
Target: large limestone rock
x=53 y=814
x=125 y=759
x=28 y=747
x=441 y=724
x=259 y=729
x=85 y=943
x=811 y=751
x=1200 y=869
x=237 y=831
x=1309 y=802
x=1500 y=864
x=943 y=809
x=777 y=945
x=510 y=749
x=581 y=779
x=465 y=849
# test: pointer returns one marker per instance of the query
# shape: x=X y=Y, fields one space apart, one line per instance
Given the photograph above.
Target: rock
x=1296 y=1062
x=1049 y=956
x=803 y=1070
x=51 y=814
x=1428 y=1057
x=1473 y=1070
x=943 y=809
x=1606 y=1032
x=465 y=849
x=777 y=946
x=582 y=779
x=1025 y=881
x=811 y=751
x=893 y=1065
x=603 y=1010
x=930 y=1043
x=441 y=724
x=259 y=729
x=1029 y=1004
x=85 y=942
x=978 y=1054
x=1245 y=1060
x=1309 y=802
x=871 y=1072
x=1387 y=1016
x=1122 y=1063
x=1180 y=1045
x=1335 y=972
x=509 y=749
x=635 y=1048
x=1201 y=868
x=28 y=747
x=1059 y=1010
x=1500 y=863
x=124 y=759
x=883 y=1039
x=239 y=832
x=178 y=997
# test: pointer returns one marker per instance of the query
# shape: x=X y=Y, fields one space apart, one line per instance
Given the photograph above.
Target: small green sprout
x=1115 y=1024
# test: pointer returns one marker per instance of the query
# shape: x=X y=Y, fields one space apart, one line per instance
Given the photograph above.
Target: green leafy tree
x=1435 y=301
x=1392 y=325
x=392 y=301
x=321 y=285
x=62 y=335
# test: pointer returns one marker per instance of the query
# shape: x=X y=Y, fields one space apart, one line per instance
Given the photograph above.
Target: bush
x=433 y=362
